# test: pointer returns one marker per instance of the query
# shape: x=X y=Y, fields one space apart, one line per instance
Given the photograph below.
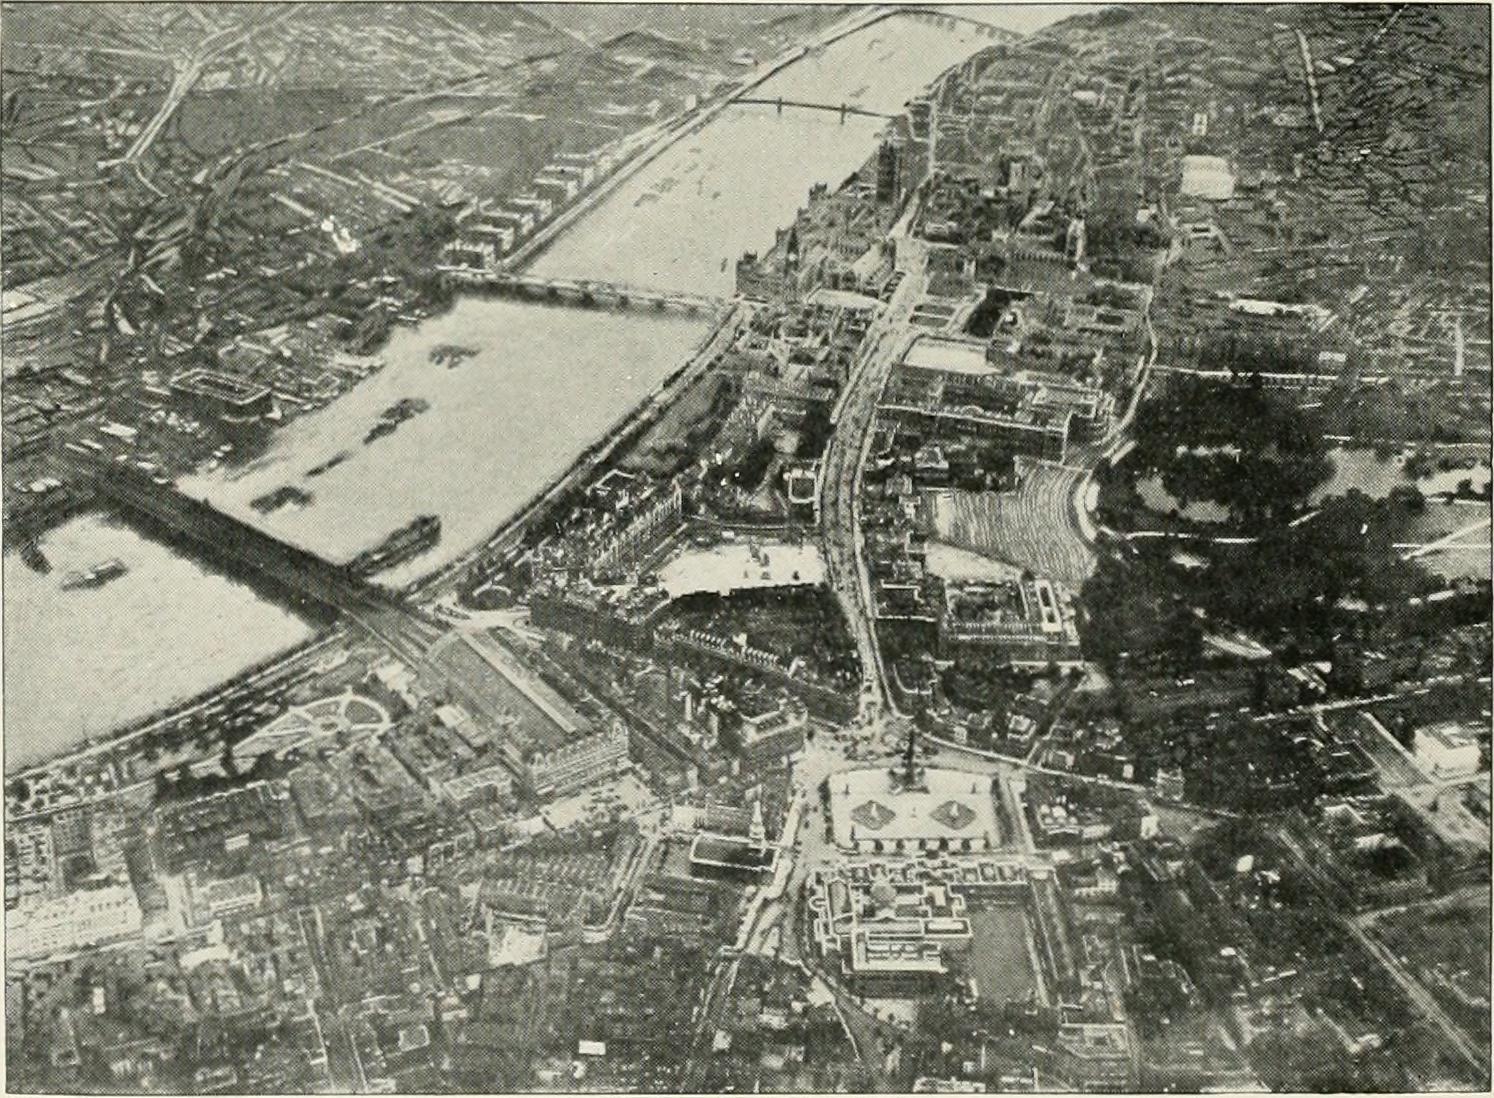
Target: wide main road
x=1422 y=999
x=845 y=457
x=209 y=49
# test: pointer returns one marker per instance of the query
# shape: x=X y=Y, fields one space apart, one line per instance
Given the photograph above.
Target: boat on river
x=96 y=576
x=34 y=558
x=408 y=541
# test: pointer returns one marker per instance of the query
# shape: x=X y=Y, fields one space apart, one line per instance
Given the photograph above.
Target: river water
x=544 y=383
x=81 y=662
x=681 y=222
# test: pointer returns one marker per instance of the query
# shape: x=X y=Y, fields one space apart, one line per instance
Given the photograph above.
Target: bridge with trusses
x=405 y=628
x=842 y=109
x=935 y=17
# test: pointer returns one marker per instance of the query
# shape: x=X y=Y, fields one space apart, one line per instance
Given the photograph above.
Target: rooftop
x=732 y=852
x=948 y=355
x=1449 y=734
x=497 y=685
x=225 y=387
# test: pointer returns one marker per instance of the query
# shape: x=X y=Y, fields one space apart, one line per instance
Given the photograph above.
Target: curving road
x=209 y=49
x=854 y=418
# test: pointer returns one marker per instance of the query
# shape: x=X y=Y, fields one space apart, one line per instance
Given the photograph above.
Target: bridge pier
x=842 y=114
x=590 y=294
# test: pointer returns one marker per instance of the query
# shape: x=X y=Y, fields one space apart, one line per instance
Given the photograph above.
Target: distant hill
x=705 y=26
x=653 y=46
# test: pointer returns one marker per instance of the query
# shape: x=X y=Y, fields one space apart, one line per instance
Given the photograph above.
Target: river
x=543 y=384
x=681 y=222
x=84 y=661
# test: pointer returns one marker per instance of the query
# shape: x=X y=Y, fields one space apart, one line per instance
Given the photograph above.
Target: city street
x=675 y=549
x=845 y=457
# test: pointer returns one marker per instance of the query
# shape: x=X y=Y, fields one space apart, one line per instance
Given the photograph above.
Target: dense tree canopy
x=1234 y=445
x=1295 y=574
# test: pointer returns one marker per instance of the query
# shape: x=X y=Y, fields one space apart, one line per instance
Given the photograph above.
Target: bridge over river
x=585 y=291
x=842 y=109
x=407 y=630
x=953 y=19
x=389 y=617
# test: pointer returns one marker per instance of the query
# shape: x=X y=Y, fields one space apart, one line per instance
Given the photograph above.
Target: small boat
x=96 y=576
x=408 y=541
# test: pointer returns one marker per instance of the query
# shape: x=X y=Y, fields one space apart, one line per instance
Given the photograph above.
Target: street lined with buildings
x=943 y=649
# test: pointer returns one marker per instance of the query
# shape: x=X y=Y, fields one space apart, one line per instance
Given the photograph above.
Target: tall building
x=769 y=737
x=920 y=118
x=732 y=856
x=888 y=164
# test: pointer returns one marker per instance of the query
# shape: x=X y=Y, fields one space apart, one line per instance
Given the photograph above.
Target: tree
x=1133 y=609
x=1234 y=445
x=814 y=432
x=748 y=473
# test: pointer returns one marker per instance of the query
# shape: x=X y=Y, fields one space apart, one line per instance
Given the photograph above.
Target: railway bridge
x=308 y=578
x=389 y=617
x=952 y=20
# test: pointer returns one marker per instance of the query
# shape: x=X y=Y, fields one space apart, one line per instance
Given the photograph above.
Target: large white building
x=1208 y=177
x=78 y=920
x=892 y=927
x=571 y=766
x=1446 y=750
x=890 y=935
